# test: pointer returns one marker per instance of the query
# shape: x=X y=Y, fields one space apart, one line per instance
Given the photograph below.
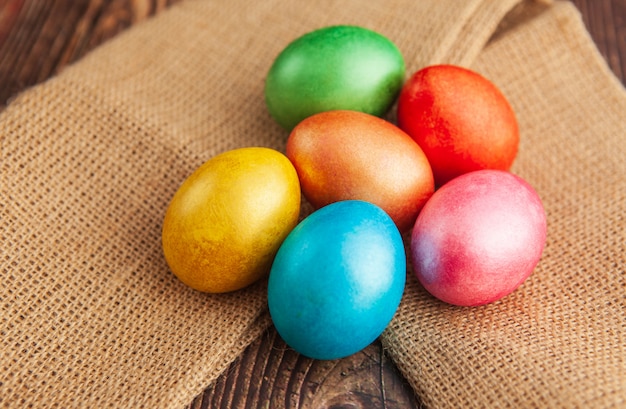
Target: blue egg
x=337 y=280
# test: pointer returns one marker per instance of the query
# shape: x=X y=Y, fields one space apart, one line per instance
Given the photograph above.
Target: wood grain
x=606 y=22
x=38 y=38
x=271 y=375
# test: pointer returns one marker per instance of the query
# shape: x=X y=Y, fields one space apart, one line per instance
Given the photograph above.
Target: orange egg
x=349 y=155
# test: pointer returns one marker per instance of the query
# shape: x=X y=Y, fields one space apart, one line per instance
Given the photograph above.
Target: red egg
x=349 y=155
x=478 y=238
x=460 y=119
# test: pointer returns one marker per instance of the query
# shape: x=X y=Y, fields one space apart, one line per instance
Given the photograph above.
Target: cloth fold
x=90 y=314
x=560 y=339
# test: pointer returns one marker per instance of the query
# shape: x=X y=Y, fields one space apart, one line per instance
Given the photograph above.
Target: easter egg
x=350 y=155
x=337 y=280
x=227 y=220
x=478 y=238
x=336 y=67
x=460 y=119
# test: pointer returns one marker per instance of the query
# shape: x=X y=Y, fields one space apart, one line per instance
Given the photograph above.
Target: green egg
x=337 y=67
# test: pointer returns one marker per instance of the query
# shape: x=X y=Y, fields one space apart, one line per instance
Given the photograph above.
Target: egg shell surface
x=478 y=238
x=335 y=67
x=227 y=220
x=337 y=280
x=350 y=155
x=461 y=120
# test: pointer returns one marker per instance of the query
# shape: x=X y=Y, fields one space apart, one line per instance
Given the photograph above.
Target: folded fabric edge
x=253 y=332
x=61 y=91
x=475 y=33
x=404 y=351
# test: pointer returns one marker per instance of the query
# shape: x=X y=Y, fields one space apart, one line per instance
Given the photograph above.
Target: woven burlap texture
x=560 y=340
x=90 y=315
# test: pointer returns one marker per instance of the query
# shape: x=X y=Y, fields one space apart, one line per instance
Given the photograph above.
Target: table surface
x=38 y=38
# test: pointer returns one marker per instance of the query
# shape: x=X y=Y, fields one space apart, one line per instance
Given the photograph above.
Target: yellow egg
x=227 y=220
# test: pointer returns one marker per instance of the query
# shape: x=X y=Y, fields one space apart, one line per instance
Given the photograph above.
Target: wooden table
x=38 y=38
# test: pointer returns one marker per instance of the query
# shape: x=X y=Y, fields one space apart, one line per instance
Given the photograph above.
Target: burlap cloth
x=90 y=316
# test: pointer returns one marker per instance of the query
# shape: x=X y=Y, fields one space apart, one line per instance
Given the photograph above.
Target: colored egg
x=227 y=220
x=478 y=238
x=350 y=155
x=462 y=121
x=337 y=280
x=336 y=67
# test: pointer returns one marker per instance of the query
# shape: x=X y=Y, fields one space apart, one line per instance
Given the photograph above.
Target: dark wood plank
x=271 y=375
x=38 y=38
x=606 y=22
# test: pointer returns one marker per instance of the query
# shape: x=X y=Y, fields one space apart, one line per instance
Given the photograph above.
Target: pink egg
x=478 y=238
